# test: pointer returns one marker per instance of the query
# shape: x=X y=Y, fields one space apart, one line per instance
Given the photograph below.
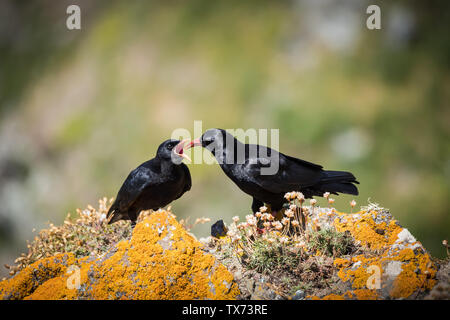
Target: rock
x=160 y=261
x=299 y=295
x=441 y=290
x=393 y=264
x=163 y=261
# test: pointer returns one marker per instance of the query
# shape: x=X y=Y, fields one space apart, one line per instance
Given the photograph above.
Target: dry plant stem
x=286 y=228
x=303 y=220
x=306 y=221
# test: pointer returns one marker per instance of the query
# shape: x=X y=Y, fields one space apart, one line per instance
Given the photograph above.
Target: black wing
x=292 y=173
x=187 y=174
x=136 y=182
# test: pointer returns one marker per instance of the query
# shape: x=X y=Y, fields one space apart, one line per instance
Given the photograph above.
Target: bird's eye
x=170 y=146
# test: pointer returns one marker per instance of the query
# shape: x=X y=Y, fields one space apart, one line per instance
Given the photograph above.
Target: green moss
x=270 y=256
x=331 y=242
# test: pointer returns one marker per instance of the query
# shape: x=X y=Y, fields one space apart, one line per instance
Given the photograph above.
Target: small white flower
x=285 y=221
x=87 y=213
x=102 y=217
x=300 y=244
x=241 y=225
x=235 y=219
x=263 y=209
x=330 y=200
x=295 y=223
x=353 y=203
x=284 y=239
x=312 y=202
x=251 y=221
x=277 y=225
x=326 y=195
x=289 y=213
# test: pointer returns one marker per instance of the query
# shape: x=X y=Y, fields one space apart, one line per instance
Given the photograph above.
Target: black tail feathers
x=337 y=182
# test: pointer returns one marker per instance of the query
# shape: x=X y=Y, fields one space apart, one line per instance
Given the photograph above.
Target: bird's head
x=212 y=140
x=173 y=150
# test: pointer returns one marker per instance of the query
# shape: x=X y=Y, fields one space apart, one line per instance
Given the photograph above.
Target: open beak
x=179 y=149
x=194 y=143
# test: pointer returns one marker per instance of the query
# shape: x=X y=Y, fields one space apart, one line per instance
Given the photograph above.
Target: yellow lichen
x=365 y=294
x=418 y=272
x=417 y=269
x=338 y=262
x=160 y=261
x=35 y=274
x=363 y=228
x=360 y=275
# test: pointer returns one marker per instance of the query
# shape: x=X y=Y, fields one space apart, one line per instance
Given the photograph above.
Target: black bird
x=266 y=174
x=154 y=184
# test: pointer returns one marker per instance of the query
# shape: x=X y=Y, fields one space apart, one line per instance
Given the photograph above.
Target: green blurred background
x=79 y=109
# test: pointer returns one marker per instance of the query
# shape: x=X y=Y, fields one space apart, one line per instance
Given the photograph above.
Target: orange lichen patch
x=363 y=228
x=53 y=289
x=407 y=271
x=418 y=273
x=359 y=276
x=160 y=261
x=339 y=262
x=365 y=294
x=405 y=254
x=34 y=275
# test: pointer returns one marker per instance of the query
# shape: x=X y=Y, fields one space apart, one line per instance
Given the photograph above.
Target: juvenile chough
x=154 y=184
x=251 y=167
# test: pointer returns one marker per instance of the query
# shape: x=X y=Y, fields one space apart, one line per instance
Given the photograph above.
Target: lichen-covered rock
x=441 y=291
x=393 y=264
x=160 y=261
x=383 y=261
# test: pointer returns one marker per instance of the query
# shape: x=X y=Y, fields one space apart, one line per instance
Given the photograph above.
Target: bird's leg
x=256 y=204
x=277 y=214
x=133 y=216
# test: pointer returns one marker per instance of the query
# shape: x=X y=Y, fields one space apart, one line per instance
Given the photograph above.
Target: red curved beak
x=194 y=143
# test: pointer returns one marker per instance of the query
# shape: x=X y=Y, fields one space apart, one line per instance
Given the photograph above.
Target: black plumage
x=244 y=164
x=154 y=184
